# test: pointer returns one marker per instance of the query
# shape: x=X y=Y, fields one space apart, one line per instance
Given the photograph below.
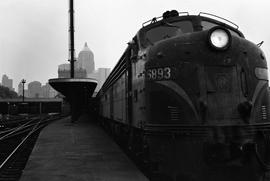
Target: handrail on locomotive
x=155 y=19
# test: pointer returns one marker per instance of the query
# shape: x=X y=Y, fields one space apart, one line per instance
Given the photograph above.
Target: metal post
x=23 y=82
x=71 y=38
x=8 y=108
x=40 y=108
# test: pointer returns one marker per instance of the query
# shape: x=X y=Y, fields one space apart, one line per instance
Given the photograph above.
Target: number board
x=162 y=73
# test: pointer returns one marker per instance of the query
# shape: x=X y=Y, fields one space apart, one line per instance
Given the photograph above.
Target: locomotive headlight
x=219 y=38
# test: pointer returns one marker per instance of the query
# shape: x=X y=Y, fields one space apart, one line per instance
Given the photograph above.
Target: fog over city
x=34 y=33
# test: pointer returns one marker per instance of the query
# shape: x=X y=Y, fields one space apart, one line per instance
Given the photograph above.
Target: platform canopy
x=74 y=88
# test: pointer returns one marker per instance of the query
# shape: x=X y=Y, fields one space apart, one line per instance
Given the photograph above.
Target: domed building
x=86 y=60
x=84 y=66
x=34 y=89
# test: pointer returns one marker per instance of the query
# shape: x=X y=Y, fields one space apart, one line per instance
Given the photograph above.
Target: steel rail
x=21 y=127
x=27 y=128
x=19 y=121
x=40 y=124
x=15 y=150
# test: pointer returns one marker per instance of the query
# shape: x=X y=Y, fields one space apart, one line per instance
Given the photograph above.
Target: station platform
x=79 y=151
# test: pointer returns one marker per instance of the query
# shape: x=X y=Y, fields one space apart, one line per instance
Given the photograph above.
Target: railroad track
x=16 y=145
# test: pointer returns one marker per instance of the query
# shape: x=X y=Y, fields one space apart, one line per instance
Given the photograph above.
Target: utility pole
x=71 y=38
x=23 y=82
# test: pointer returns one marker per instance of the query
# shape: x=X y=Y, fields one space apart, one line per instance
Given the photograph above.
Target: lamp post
x=23 y=82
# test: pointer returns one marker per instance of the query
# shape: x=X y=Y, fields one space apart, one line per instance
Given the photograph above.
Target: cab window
x=168 y=30
x=206 y=25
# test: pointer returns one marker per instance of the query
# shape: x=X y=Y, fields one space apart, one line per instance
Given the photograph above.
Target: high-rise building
x=20 y=89
x=47 y=91
x=52 y=93
x=103 y=74
x=100 y=75
x=34 y=89
x=7 y=82
x=86 y=60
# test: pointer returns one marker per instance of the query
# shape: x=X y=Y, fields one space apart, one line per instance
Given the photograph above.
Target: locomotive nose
x=212 y=45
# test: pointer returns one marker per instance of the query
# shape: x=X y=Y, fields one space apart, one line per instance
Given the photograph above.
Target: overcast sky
x=34 y=33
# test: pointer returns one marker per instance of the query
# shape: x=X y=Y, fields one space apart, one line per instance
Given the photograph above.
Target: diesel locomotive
x=190 y=96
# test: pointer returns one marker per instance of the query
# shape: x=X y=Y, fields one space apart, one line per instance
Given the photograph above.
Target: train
x=190 y=97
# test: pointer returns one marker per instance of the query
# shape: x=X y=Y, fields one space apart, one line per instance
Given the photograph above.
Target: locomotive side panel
x=119 y=101
x=104 y=105
x=138 y=107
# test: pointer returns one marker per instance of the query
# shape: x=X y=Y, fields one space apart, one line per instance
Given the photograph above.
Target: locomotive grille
x=203 y=131
x=263 y=113
x=178 y=115
x=174 y=113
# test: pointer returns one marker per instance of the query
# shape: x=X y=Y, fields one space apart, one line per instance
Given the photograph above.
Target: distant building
x=7 y=82
x=100 y=75
x=20 y=89
x=26 y=93
x=103 y=74
x=86 y=60
x=80 y=73
x=47 y=91
x=34 y=89
x=64 y=71
x=52 y=93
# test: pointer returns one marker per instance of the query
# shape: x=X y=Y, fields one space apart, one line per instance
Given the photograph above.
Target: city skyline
x=18 y=89
x=34 y=37
x=84 y=68
x=7 y=82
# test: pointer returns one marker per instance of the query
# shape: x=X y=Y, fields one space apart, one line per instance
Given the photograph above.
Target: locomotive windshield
x=208 y=25
x=168 y=30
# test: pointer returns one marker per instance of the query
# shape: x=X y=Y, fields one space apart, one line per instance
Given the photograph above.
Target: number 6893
x=159 y=73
